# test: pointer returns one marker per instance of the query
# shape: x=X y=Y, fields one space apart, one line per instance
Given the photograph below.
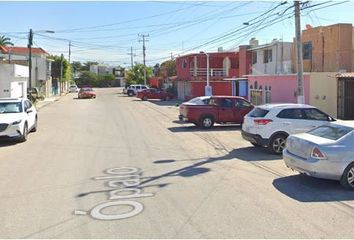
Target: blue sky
x=105 y=31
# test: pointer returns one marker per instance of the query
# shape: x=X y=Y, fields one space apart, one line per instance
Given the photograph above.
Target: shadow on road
x=170 y=103
x=308 y=189
x=8 y=142
x=193 y=128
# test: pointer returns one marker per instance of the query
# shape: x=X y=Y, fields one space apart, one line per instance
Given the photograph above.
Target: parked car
x=153 y=93
x=73 y=88
x=207 y=110
x=133 y=89
x=86 y=92
x=269 y=125
x=18 y=117
x=324 y=152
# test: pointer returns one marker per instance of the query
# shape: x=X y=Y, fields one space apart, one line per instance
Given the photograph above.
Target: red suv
x=153 y=93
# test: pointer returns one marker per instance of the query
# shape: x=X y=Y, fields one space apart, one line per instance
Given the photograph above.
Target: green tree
x=86 y=65
x=76 y=66
x=105 y=80
x=136 y=75
x=168 y=69
x=87 y=78
x=67 y=70
x=5 y=41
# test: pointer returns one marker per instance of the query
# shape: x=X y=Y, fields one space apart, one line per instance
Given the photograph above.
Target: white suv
x=269 y=125
x=133 y=89
x=17 y=118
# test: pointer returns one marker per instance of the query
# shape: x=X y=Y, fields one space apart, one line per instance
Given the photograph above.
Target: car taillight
x=262 y=121
x=317 y=154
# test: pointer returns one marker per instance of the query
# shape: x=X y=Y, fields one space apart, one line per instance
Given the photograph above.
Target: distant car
x=324 y=152
x=73 y=88
x=206 y=110
x=86 y=92
x=153 y=93
x=18 y=117
x=135 y=88
x=269 y=125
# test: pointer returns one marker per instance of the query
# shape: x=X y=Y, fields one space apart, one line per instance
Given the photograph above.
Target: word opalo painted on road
x=124 y=182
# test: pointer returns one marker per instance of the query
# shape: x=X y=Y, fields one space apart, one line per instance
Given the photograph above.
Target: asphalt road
x=118 y=167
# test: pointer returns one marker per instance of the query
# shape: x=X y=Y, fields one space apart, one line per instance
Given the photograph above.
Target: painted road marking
x=125 y=182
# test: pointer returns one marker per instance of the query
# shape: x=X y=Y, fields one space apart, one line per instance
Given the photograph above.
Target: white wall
x=13 y=80
x=281 y=59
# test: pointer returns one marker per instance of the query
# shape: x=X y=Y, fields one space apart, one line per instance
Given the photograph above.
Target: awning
x=235 y=79
x=345 y=75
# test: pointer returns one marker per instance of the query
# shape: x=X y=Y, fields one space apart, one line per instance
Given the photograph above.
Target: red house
x=226 y=72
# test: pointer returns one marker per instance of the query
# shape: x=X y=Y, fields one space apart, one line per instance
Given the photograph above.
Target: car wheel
x=130 y=94
x=144 y=98
x=35 y=126
x=23 y=137
x=347 y=179
x=277 y=144
x=207 y=122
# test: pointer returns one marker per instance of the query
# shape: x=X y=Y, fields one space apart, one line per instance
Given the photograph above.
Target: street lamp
x=29 y=46
x=208 y=88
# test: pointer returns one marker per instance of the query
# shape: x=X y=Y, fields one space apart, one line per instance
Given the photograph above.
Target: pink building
x=276 y=88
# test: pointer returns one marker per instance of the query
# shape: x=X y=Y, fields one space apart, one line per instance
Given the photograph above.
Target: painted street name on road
x=125 y=181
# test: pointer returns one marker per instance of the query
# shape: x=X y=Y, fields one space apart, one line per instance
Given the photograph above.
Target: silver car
x=324 y=152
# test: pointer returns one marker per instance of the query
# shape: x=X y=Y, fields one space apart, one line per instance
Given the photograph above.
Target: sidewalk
x=47 y=101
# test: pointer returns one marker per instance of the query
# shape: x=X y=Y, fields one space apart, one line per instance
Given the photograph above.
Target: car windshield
x=199 y=100
x=10 y=107
x=331 y=132
x=87 y=89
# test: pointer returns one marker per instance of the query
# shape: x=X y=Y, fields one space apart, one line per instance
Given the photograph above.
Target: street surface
x=76 y=172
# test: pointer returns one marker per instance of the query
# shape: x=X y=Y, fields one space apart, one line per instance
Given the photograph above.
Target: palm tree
x=5 y=41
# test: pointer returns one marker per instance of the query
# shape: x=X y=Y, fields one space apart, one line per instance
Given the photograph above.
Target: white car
x=269 y=125
x=18 y=117
x=133 y=89
x=73 y=88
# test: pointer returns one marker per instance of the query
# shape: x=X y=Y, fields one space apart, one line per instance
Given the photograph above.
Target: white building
x=41 y=65
x=13 y=81
x=272 y=58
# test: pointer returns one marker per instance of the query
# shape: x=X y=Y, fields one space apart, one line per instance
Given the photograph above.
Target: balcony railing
x=214 y=72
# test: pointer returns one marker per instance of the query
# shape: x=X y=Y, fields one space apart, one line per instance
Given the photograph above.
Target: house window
x=267 y=55
x=254 y=57
x=307 y=50
x=184 y=63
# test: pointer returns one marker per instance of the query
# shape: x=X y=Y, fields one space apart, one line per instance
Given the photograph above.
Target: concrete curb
x=41 y=104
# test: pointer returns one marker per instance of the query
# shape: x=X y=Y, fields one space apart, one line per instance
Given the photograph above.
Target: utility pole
x=300 y=76
x=69 y=50
x=61 y=73
x=131 y=57
x=30 y=43
x=172 y=56
x=144 y=55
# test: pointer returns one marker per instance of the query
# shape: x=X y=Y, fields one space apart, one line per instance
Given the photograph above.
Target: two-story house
x=41 y=65
x=224 y=69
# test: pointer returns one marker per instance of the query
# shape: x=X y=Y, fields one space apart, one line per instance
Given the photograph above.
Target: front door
x=226 y=110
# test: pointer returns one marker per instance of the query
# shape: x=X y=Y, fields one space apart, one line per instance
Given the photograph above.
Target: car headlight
x=17 y=122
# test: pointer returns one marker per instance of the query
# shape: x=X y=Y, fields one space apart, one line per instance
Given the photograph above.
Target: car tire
x=277 y=144
x=130 y=94
x=35 y=126
x=24 y=135
x=207 y=122
x=144 y=98
x=347 y=179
